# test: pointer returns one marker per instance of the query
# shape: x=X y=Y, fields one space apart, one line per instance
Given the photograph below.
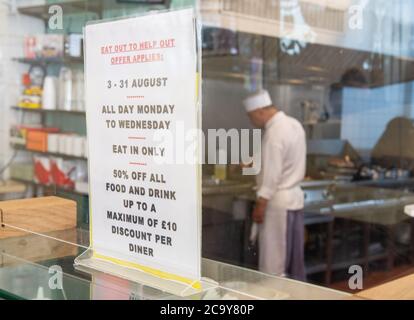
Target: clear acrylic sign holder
x=87 y=263
x=90 y=262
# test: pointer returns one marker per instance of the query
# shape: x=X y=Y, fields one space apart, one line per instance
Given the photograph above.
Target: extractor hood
x=324 y=22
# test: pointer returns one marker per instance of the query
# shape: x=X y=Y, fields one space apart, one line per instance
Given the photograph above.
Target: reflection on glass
x=343 y=68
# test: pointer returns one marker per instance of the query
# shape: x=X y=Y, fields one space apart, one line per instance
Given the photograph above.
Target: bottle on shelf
x=65 y=89
x=49 y=95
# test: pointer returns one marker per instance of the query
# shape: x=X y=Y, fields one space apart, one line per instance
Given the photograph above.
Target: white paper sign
x=141 y=98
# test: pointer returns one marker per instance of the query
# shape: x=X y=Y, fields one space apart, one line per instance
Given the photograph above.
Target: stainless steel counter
x=220 y=187
x=326 y=197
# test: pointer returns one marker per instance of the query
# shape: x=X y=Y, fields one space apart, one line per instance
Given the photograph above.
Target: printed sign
x=142 y=121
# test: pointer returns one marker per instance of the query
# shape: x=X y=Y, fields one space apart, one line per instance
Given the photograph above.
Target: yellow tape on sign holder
x=196 y=284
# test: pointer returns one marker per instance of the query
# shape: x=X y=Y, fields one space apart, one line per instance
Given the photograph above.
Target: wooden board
x=34 y=248
x=38 y=215
x=400 y=289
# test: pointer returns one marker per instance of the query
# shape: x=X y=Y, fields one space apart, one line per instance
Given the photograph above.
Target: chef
x=280 y=199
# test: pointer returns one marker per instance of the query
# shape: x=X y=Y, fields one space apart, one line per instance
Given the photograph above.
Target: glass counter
x=40 y=266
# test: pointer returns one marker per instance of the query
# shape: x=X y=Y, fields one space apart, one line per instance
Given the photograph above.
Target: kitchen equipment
x=78 y=146
x=29 y=102
x=73 y=45
x=65 y=89
x=32 y=92
x=253 y=233
x=53 y=143
x=18 y=134
x=30 y=47
x=313 y=112
x=37 y=75
x=409 y=210
x=42 y=173
x=81 y=176
x=331 y=159
x=69 y=140
x=395 y=148
x=36 y=140
x=62 y=143
x=63 y=172
x=78 y=103
x=46 y=45
x=26 y=81
x=49 y=97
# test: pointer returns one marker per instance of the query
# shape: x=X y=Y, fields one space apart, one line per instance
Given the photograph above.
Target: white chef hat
x=258 y=100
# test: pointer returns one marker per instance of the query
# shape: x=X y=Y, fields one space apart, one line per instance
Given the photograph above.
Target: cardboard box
x=44 y=46
x=36 y=141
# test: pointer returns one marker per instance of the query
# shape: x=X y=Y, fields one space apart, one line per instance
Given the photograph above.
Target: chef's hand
x=259 y=210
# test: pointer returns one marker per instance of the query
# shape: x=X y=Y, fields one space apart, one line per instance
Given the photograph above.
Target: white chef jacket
x=283 y=162
x=283 y=168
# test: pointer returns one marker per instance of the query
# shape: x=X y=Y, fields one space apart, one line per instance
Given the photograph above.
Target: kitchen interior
x=356 y=107
x=354 y=99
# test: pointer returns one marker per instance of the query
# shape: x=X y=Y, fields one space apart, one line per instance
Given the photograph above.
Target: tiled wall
x=366 y=112
x=12 y=29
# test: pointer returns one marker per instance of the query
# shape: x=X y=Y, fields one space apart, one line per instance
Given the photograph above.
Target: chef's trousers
x=281 y=243
x=295 y=253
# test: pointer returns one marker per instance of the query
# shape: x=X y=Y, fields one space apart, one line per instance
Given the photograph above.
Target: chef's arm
x=259 y=210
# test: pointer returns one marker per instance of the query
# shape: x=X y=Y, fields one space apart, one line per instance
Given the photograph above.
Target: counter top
x=21 y=277
x=353 y=201
x=219 y=187
x=400 y=289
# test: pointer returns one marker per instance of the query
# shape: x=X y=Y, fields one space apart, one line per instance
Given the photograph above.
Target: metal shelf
x=46 y=61
x=41 y=10
x=56 y=188
x=52 y=154
x=80 y=113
